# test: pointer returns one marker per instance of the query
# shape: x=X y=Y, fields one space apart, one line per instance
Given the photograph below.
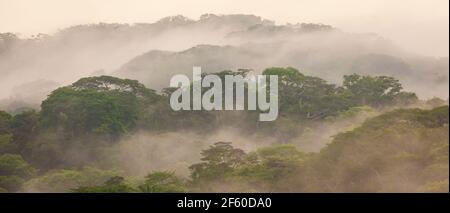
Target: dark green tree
x=113 y=185
x=374 y=91
x=14 y=170
x=217 y=161
x=162 y=182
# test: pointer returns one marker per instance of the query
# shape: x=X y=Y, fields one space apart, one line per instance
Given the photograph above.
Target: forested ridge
x=365 y=134
x=32 y=66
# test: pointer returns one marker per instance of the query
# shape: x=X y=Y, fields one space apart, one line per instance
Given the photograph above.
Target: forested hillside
x=87 y=108
x=106 y=134
x=151 y=53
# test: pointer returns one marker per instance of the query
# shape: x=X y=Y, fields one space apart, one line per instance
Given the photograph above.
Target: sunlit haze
x=419 y=26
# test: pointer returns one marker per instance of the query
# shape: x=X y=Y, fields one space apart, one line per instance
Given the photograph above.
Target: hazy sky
x=421 y=26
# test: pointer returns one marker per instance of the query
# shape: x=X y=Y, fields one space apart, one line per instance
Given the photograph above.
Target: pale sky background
x=421 y=26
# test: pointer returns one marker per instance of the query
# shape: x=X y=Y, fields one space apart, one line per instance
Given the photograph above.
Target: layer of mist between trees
x=105 y=134
x=152 y=52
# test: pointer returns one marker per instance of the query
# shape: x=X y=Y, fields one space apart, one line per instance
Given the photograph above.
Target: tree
x=108 y=84
x=16 y=131
x=218 y=161
x=374 y=91
x=65 y=180
x=5 y=120
x=6 y=143
x=23 y=127
x=14 y=170
x=274 y=168
x=86 y=116
x=402 y=150
x=113 y=185
x=97 y=106
x=305 y=96
x=162 y=182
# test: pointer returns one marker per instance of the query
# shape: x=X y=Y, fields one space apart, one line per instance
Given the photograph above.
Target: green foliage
x=16 y=131
x=374 y=91
x=113 y=185
x=270 y=167
x=11 y=183
x=404 y=150
x=97 y=105
x=108 y=84
x=266 y=169
x=86 y=112
x=65 y=180
x=280 y=157
x=162 y=182
x=436 y=117
x=305 y=96
x=397 y=151
x=401 y=150
x=86 y=116
x=15 y=165
x=156 y=182
x=5 y=120
x=6 y=144
x=13 y=171
x=219 y=160
x=23 y=128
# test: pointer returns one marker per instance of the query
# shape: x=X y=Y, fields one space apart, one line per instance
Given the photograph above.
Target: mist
x=406 y=40
x=153 y=52
x=418 y=25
